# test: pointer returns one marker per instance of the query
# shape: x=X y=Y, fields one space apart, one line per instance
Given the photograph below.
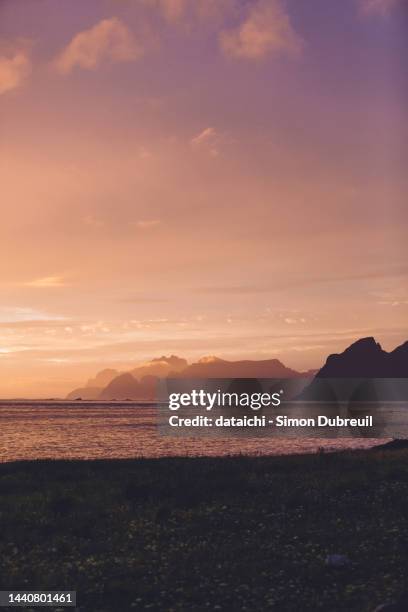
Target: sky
x=223 y=177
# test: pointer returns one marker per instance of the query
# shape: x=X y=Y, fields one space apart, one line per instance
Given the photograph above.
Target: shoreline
x=321 y=447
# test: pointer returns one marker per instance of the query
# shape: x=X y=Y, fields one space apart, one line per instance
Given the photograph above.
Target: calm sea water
x=38 y=430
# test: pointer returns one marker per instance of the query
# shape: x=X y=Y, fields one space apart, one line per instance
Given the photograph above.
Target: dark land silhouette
x=364 y=360
x=363 y=372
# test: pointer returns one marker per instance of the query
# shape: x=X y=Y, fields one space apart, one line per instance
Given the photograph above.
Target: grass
x=234 y=533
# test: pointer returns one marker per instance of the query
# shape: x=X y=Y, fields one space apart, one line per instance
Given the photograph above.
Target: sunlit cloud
x=394 y=303
x=147 y=223
x=15 y=66
x=109 y=41
x=57 y=360
x=144 y=299
x=17 y=314
x=46 y=282
x=267 y=30
x=204 y=136
x=294 y=320
x=207 y=139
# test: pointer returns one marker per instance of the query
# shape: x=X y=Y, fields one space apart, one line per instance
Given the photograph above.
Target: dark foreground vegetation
x=210 y=534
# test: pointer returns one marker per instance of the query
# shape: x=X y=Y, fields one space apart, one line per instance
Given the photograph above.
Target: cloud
x=394 y=303
x=145 y=153
x=22 y=316
x=188 y=11
x=392 y=272
x=93 y=221
x=110 y=40
x=14 y=69
x=46 y=281
x=148 y=223
x=293 y=321
x=172 y=10
x=141 y=299
x=267 y=30
x=380 y=7
x=204 y=136
x=208 y=140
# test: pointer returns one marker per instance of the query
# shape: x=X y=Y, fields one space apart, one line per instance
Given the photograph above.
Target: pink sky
x=198 y=177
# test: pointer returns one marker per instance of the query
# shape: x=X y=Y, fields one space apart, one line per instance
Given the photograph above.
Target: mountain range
x=364 y=359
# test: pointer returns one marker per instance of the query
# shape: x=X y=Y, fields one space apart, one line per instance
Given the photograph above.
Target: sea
x=94 y=430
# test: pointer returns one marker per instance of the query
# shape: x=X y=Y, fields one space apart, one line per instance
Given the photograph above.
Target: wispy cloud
x=393 y=303
x=15 y=66
x=266 y=30
x=180 y=11
x=93 y=221
x=147 y=223
x=110 y=41
x=46 y=281
x=293 y=321
x=379 y=7
x=17 y=315
x=207 y=139
x=204 y=136
x=172 y=10
x=392 y=272
x=142 y=299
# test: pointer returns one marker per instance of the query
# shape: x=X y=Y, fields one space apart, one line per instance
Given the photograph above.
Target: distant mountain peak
x=364 y=344
x=365 y=358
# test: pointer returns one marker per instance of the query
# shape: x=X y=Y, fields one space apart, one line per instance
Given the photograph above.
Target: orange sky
x=198 y=178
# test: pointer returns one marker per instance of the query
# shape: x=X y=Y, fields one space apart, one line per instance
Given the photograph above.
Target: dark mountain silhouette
x=363 y=372
x=364 y=361
x=212 y=367
x=126 y=386
x=364 y=358
x=141 y=382
x=398 y=362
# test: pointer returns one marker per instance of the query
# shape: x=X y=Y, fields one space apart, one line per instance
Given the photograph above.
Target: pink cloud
x=14 y=69
x=110 y=40
x=267 y=30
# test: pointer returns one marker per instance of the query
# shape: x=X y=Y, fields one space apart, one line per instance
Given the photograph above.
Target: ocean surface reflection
x=87 y=430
